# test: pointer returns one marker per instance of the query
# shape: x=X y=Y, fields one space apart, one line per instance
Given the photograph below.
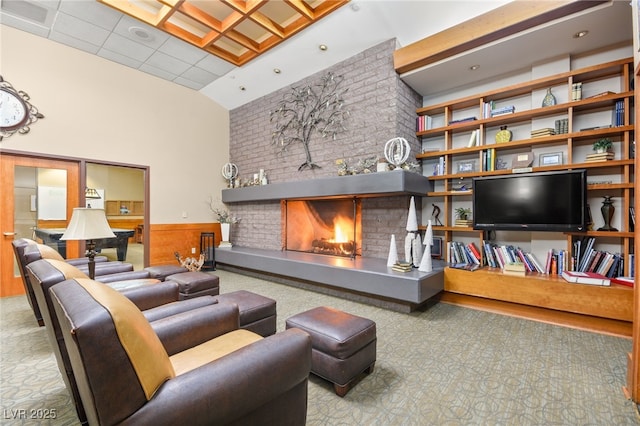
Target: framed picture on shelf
x=466 y=166
x=436 y=248
x=550 y=159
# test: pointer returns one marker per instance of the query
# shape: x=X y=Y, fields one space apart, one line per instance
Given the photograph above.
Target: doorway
x=22 y=178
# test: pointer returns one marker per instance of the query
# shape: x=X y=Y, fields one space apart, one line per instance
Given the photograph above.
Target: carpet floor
x=446 y=365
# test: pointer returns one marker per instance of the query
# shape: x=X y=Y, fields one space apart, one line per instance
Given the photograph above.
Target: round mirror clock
x=16 y=113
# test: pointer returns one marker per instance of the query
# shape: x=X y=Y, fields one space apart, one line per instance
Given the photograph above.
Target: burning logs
x=329 y=247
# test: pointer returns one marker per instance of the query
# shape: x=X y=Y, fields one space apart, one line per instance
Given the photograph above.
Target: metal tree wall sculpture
x=316 y=107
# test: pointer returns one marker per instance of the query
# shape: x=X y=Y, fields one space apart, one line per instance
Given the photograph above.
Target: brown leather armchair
x=158 y=301
x=221 y=374
x=27 y=251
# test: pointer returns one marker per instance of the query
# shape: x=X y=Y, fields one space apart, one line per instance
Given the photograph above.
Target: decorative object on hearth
x=393 y=252
x=503 y=135
x=607 y=211
x=230 y=173
x=412 y=242
x=397 y=151
x=548 y=99
x=16 y=114
x=315 y=107
x=191 y=263
x=426 y=265
x=382 y=165
x=88 y=225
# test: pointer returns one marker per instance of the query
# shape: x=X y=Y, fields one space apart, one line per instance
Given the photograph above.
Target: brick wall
x=381 y=107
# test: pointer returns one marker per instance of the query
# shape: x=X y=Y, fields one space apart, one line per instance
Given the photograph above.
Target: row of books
x=424 y=122
x=489 y=110
x=588 y=259
x=489 y=160
x=562 y=126
x=439 y=168
x=618 y=113
x=463 y=254
x=576 y=91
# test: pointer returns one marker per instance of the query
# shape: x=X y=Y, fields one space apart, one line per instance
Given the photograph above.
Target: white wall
x=100 y=110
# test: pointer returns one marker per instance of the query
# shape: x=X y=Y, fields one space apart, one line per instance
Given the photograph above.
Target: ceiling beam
x=496 y=24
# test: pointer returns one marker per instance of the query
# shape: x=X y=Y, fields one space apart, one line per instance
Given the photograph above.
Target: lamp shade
x=88 y=224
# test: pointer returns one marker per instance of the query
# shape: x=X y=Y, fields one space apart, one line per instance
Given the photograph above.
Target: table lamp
x=88 y=224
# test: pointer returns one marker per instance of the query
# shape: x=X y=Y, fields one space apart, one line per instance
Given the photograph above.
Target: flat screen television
x=542 y=201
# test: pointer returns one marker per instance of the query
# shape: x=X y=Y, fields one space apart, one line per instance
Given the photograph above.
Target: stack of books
x=603 y=156
x=586 y=278
x=546 y=131
x=463 y=222
x=402 y=267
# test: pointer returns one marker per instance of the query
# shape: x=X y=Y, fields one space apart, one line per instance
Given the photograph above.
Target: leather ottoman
x=257 y=313
x=161 y=272
x=195 y=284
x=343 y=345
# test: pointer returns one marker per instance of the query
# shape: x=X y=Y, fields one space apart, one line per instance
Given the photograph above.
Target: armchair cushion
x=142 y=345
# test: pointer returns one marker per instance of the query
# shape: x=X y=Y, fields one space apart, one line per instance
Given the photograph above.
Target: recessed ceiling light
x=140 y=33
x=580 y=34
x=355 y=7
x=277 y=70
x=474 y=67
x=243 y=88
x=323 y=47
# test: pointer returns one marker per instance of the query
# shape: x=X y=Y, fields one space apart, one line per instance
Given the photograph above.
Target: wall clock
x=16 y=113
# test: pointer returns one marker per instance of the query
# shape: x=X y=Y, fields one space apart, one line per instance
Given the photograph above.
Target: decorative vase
x=226 y=230
x=503 y=135
x=607 y=211
x=549 y=99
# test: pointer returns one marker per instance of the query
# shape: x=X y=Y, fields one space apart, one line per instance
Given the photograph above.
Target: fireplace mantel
x=384 y=184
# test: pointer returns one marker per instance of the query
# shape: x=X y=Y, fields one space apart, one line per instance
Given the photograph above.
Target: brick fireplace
x=381 y=107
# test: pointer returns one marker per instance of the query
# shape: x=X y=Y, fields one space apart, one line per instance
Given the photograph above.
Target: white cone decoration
x=426 y=263
x=408 y=244
x=393 y=252
x=417 y=250
x=412 y=219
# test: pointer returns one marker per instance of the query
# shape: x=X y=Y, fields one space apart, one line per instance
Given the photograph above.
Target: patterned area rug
x=445 y=365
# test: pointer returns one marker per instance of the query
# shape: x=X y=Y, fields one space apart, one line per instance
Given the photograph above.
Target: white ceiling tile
x=24 y=25
x=79 y=29
x=157 y=72
x=168 y=63
x=121 y=59
x=181 y=50
x=128 y=27
x=199 y=75
x=91 y=11
x=215 y=65
x=188 y=83
x=124 y=46
x=74 y=42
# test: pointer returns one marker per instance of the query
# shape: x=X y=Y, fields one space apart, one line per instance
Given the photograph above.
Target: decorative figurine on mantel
x=230 y=173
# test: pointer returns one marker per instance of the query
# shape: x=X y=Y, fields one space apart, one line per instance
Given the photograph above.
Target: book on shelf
x=424 y=122
x=464 y=266
x=605 y=93
x=576 y=91
x=618 y=114
x=561 y=126
x=473 y=138
x=586 y=278
x=462 y=120
x=599 y=156
x=547 y=131
x=514 y=268
x=632 y=218
x=628 y=281
x=503 y=110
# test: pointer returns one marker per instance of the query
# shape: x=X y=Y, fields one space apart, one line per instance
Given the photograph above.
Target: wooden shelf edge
x=549 y=316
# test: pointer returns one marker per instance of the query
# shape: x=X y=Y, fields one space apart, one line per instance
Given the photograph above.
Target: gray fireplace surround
x=367 y=280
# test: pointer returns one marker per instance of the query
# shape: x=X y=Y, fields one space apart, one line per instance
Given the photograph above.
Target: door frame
x=10 y=284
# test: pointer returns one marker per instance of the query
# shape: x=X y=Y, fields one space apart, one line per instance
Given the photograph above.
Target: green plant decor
x=603 y=144
x=462 y=213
